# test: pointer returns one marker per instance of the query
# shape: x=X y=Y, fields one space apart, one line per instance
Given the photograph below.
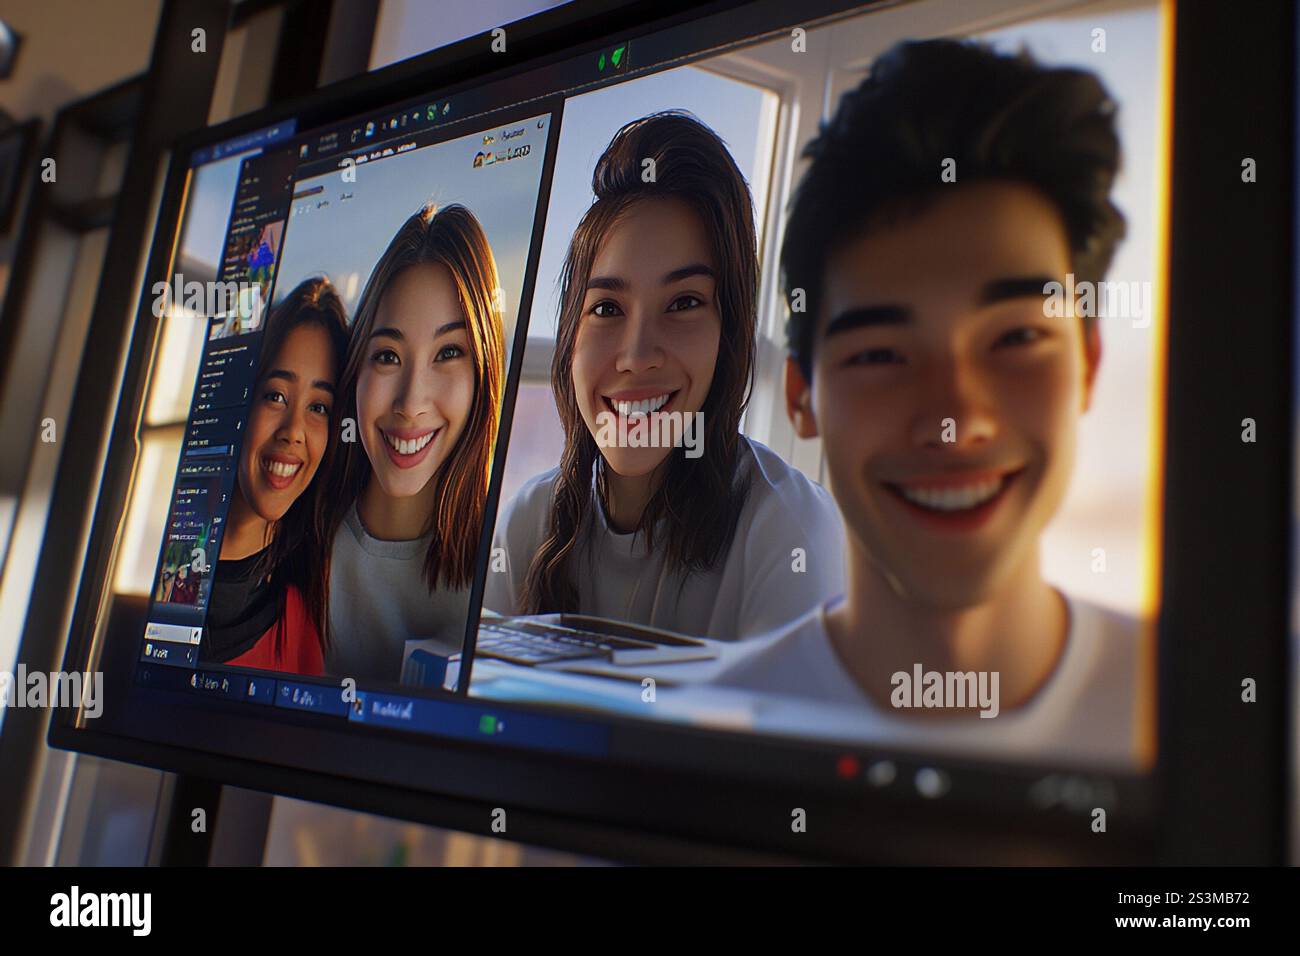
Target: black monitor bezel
x=654 y=815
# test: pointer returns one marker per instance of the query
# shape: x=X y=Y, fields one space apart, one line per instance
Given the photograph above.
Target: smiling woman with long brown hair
x=422 y=384
x=711 y=533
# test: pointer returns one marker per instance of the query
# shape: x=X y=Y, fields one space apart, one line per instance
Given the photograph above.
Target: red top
x=298 y=652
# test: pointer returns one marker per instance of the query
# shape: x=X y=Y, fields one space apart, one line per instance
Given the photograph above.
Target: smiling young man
x=947 y=399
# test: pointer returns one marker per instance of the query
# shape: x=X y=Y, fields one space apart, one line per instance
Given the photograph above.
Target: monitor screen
x=761 y=394
x=944 y=503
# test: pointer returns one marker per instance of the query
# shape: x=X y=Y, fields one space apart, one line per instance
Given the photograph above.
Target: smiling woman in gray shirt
x=660 y=511
x=379 y=599
x=422 y=382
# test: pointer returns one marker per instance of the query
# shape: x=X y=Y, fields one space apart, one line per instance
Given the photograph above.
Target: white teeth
x=953 y=499
x=280 y=469
x=408 y=446
x=643 y=407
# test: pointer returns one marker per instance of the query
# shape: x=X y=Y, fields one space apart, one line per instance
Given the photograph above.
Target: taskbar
x=455 y=718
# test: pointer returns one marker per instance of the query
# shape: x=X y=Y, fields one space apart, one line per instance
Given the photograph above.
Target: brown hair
x=296 y=544
x=699 y=500
x=453 y=238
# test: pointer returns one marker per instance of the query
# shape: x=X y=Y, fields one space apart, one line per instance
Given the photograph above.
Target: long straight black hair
x=699 y=500
x=295 y=553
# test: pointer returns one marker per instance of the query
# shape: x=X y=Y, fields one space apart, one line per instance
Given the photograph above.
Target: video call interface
x=831 y=419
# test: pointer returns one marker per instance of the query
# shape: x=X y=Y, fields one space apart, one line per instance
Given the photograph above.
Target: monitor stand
x=230 y=830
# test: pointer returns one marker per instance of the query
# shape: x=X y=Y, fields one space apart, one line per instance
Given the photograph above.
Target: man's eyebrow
x=686 y=272
x=323 y=385
x=1017 y=287
x=873 y=315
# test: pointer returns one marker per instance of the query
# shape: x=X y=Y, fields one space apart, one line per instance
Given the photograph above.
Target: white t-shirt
x=379 y=600
x=756 y=586
x=1085 y=712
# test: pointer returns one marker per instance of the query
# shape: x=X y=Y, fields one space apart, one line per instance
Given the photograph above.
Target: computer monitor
x=772 y=407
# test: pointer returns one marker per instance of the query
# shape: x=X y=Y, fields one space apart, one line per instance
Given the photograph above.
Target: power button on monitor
x=931 y=783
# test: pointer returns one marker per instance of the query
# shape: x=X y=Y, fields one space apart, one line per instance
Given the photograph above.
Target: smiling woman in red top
x=267 y=598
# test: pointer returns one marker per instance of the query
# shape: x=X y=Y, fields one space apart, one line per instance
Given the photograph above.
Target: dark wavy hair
x=294 y=553
x=451 y=237
x=699 y=500
x=1001 y=117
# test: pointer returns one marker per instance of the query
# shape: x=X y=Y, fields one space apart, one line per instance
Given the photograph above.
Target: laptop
x=535 y=639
